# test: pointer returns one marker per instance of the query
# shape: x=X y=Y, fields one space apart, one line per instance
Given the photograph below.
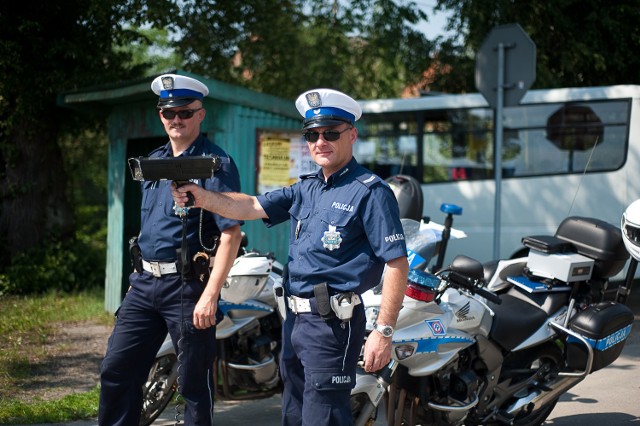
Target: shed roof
x=136 y=90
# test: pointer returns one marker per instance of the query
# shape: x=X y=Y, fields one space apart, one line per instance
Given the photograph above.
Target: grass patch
x=68 y=408
x=25 y=325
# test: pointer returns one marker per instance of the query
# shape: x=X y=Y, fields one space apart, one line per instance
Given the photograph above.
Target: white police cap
x=327 y=107
x=177 y=90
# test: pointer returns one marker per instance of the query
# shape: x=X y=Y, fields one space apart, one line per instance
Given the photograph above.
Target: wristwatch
x=385 y=330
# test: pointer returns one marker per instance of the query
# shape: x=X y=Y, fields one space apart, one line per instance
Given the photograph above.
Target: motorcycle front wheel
x=159 y=389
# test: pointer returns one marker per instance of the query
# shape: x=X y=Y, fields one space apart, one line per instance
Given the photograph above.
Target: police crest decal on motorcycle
x=436 y=326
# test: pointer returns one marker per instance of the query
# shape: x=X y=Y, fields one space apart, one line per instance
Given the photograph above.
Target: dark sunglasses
x=183 y=114
x=328 y=135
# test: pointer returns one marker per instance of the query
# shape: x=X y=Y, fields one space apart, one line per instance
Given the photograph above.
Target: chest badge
x=331 y=239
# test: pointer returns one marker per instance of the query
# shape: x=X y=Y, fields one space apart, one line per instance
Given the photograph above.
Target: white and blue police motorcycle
x=248 y=340
x=480 y=346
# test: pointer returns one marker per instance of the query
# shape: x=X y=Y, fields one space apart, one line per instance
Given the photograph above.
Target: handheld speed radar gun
x=181 y=170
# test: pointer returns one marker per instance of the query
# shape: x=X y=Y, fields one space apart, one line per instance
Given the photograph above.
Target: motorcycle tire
x=159 y=389
x=549 y=356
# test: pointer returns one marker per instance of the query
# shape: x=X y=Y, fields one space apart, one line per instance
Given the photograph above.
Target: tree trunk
x=35 y=204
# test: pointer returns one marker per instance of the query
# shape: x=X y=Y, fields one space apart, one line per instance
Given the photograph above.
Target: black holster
x=136 y=255
x=323 y=301
x=184 y=264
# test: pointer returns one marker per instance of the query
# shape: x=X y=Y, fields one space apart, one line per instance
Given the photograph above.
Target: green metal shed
x=235 y=117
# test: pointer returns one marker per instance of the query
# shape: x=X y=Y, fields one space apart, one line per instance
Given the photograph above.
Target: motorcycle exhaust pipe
x=539 y=399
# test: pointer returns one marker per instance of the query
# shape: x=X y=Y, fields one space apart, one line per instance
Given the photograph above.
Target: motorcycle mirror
x=467 y=266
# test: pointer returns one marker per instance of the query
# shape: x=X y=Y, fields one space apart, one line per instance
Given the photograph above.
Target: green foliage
x=66 y=266
x=78 y=263
x=578 y=43
x=69 y=408
x=44 y=52
x=153 y=51
x=364 y=47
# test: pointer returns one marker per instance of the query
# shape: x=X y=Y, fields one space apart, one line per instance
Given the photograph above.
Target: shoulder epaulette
x=368 y=179
x=156 y=151
x=308 y=175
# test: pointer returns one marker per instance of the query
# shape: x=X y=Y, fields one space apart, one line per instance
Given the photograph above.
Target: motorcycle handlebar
x=468 y=283
x=490 y=296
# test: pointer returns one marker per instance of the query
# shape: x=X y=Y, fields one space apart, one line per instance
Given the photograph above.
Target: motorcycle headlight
x=404 y=351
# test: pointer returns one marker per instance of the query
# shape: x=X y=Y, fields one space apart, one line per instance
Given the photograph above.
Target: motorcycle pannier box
x=598 y=240
x=606 y=326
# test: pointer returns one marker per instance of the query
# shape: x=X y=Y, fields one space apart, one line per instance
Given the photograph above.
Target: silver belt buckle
x=292 y=304
x=299 y=305
x=155 y=269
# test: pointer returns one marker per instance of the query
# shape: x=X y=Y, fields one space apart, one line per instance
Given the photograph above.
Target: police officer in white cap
x=344 y=228
x=160 y=299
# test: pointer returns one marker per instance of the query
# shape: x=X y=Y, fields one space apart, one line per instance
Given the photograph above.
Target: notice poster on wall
x=282 y=157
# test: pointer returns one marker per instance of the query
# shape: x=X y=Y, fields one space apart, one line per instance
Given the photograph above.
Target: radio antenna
x=584 y=172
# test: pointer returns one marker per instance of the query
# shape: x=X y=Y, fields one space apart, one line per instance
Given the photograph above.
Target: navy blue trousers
x=151 y=308
x=318 y=368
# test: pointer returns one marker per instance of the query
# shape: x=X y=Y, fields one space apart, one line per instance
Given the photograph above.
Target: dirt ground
x=72 y=363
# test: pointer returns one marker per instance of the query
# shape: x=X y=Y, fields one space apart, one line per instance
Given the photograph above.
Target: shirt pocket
x=299 y=220
x=149 y=195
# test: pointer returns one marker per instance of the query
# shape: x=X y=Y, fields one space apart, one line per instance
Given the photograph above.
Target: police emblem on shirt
x=313 y=99
x=331 y=239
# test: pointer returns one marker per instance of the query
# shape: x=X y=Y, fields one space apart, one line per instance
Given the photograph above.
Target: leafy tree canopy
x=578 y=43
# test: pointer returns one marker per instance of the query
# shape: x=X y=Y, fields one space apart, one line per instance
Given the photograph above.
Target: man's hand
x=181 y=197
x=377 y=352
x=204 y=314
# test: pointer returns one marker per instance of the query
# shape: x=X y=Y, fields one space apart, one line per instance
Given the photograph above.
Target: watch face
x=385 y=330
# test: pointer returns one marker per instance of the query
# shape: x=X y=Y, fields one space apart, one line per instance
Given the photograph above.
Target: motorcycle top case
x=606 y=326
x=598 y=240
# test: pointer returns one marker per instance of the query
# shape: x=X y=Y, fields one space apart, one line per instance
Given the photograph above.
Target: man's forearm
x=225 y=256
x=233 y=205
x=393 y=289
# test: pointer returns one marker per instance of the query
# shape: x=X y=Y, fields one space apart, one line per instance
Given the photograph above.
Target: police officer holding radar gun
x=345 y=227
x=162 y=297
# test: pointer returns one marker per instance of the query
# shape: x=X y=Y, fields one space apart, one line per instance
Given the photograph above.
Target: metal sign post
x=515 y=73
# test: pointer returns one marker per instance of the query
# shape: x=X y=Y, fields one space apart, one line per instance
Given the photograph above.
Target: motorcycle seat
x=515 y=320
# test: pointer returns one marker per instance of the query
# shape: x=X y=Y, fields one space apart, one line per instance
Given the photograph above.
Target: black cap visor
x=175 y=102
x=324 y=121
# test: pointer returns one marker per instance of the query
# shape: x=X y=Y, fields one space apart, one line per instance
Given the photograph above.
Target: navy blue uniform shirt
x=161 y=229
x=342 y=231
